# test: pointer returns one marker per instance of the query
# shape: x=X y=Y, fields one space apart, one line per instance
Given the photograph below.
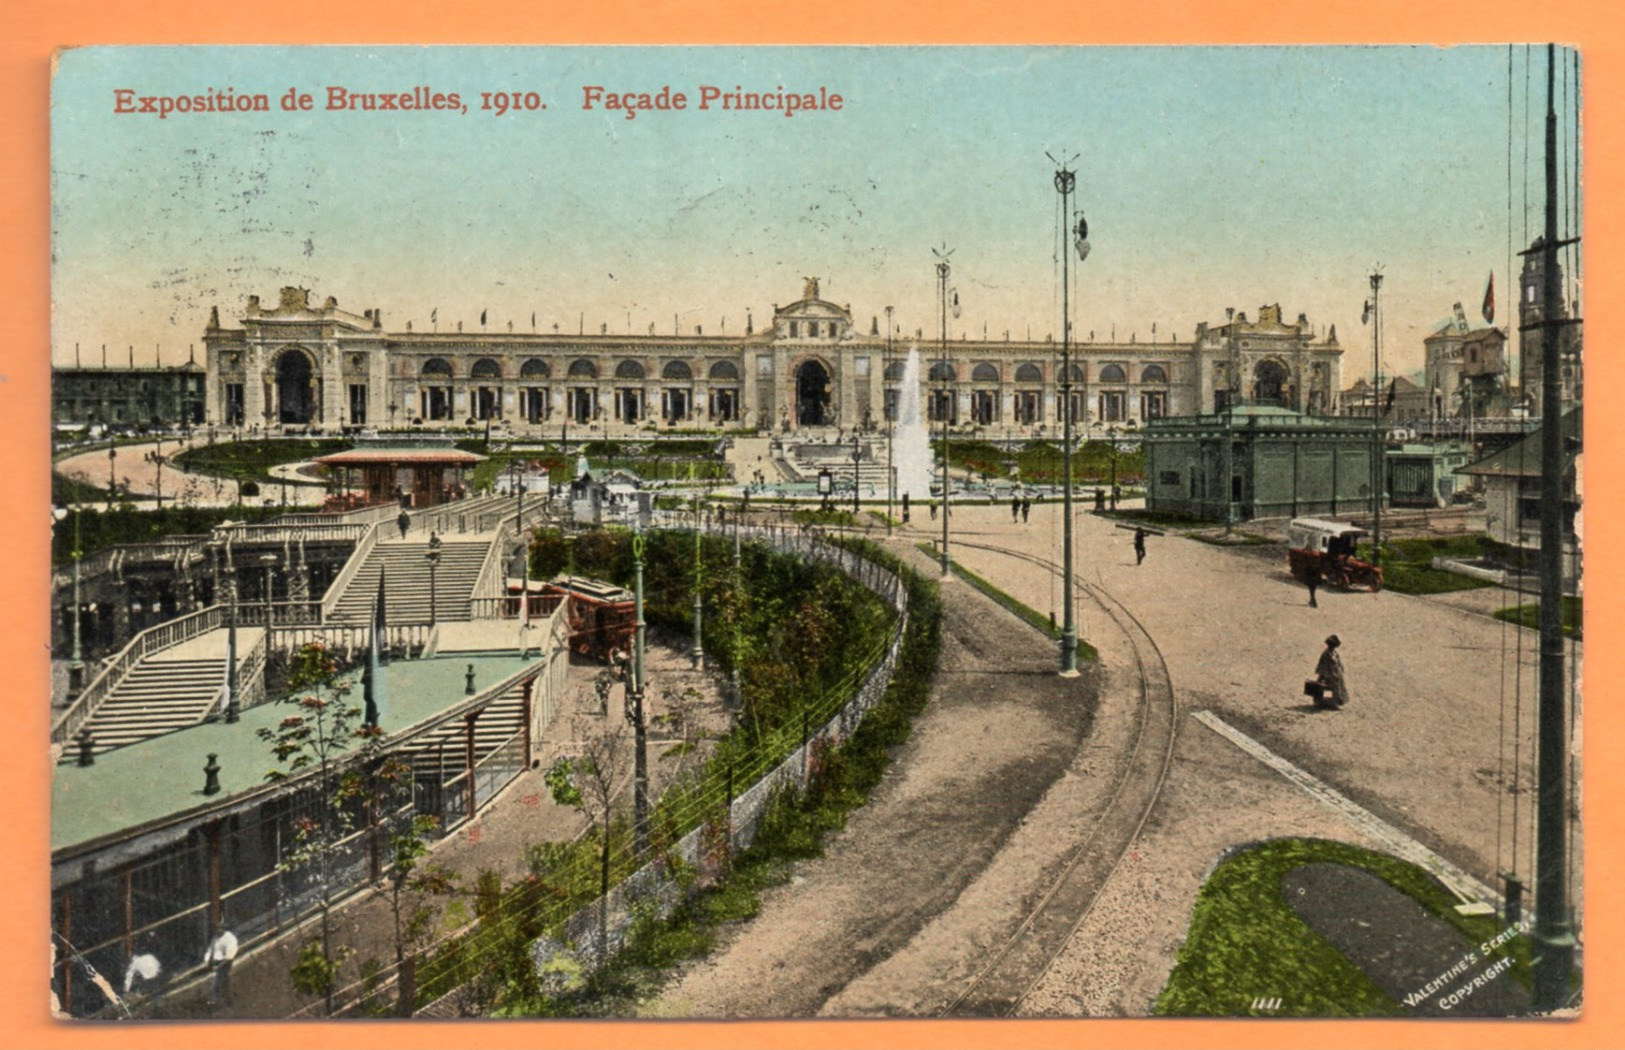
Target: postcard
x=817 y=532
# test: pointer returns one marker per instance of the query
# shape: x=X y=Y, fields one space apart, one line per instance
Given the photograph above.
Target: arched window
x=486 y=368
x=943 y=372
x=628 y=370
x=583 y=369
x=437 y=366
x=535 y=368
x=1154 y=374
x=1075 y=373
x=894 y=372
x=1112 y=374
x=676 y=370
x=984 y=373
x=1029 y=373
x=724 y=370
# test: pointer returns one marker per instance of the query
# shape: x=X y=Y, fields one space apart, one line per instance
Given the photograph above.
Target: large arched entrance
x=812 y=395
x=1269 y=382
x=293 y=389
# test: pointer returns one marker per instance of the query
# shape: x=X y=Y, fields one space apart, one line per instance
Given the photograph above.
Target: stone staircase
x=446 y=751
x=405 y=568
x=157 y=696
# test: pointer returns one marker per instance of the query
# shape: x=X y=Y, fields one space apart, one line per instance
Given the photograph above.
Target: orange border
x=25 y=52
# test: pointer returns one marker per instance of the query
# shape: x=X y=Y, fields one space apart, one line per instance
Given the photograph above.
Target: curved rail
x=999 y=988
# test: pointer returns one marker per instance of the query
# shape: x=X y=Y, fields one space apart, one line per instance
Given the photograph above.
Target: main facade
x=297 y=365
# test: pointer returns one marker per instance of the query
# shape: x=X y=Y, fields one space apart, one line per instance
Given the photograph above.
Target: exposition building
x=297 y=365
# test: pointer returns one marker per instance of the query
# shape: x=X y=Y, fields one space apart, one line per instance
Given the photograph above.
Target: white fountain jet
x=910 y=437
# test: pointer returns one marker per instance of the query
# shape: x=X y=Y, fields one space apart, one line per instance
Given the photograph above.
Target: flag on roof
x=1489 y=300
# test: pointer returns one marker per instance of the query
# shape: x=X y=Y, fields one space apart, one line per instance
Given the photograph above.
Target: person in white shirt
x=219 y=956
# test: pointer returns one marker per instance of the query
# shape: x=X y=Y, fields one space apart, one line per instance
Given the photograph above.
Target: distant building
x=1531 y=340
x=1466 y=371
x=128 y=397
x=296 y=364
x=1282 y=464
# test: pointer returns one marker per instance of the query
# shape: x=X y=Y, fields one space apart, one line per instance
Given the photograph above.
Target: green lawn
x=1246 y=942
x=1529 y=616
x=1407 y=565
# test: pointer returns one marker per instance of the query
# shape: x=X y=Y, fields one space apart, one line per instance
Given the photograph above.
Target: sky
x=1209 y=177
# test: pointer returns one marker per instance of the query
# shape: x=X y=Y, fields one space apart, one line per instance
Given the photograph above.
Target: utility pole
x=1554 y=933
x=945 y=404
x=1065 y=182
x=1378 y=473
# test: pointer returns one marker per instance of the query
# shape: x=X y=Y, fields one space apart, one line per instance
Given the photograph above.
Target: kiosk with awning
x=428 y=476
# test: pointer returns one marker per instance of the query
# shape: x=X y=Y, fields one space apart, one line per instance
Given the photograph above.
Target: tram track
x=1015 y=969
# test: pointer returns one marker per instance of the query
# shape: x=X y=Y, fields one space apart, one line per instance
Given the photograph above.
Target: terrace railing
x=113 y=672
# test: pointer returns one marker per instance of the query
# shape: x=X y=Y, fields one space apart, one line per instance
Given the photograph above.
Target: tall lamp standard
x=112 y=475
x=433 y=557
x=857 y=455
x=1378 y=480
x=1065 y=182
x=269 y=561
x=944 y=403
x=891 y=430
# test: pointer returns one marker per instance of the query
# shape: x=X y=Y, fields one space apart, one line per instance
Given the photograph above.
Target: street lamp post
x=1065 y=181
x=945 y=403
x=158 y=471
x=112 y=475
x=269 y=561
x=825 y=484
x=1377 y=472
x=640 y=792
x=76 y=662
x=433 y=557
x=698 y=656
x=891 y=430
x=857 y=455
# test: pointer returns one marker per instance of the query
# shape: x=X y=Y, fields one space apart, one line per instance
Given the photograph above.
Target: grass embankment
x=1529 y=616
x=1407 y=564
x=1247 y=943
x=795 y=823
x=1024 y=612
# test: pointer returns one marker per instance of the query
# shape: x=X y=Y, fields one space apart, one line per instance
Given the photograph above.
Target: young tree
x=587 y=782
x=317 y=737
x=410 y=884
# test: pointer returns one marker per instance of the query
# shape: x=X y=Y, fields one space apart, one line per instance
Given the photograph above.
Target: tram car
x=1327 y=547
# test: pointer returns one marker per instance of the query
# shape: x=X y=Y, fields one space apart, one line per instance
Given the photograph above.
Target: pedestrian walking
x=933 y=510
x=905 y=508
x=1015 y=508
x=1026 y=509
x=1100 y=501
x=1139 y=545
x=222 y=950
x=1311 y=579
x=1329 y=672
x=1117 y=494
x=405 y=522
